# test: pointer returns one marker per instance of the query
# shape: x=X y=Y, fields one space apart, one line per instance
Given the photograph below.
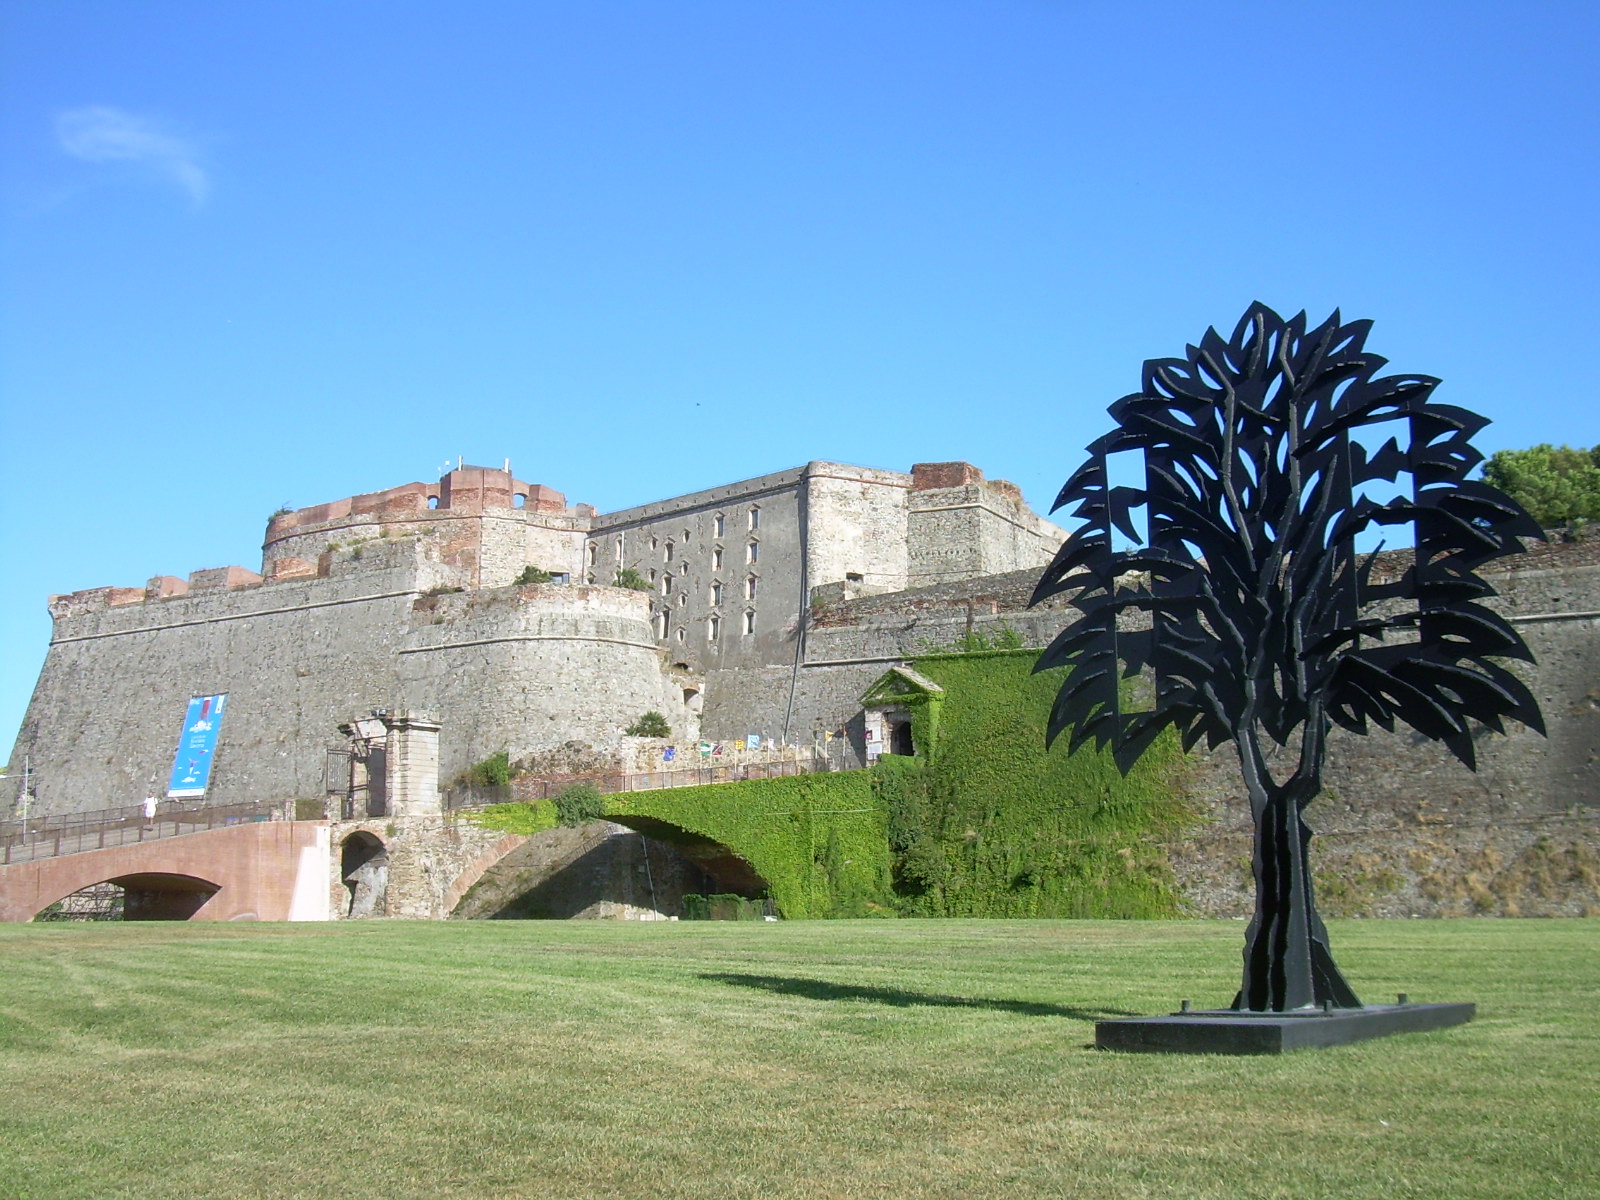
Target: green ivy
x=818 y=840
x=983 y=822
x=494 y=771
x=520 y=816
x=986 y=823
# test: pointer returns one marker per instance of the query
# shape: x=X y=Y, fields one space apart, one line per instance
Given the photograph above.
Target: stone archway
x=364 y=871
x=629 y=868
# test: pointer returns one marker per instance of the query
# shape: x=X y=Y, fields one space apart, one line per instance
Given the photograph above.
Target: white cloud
x=99 y=134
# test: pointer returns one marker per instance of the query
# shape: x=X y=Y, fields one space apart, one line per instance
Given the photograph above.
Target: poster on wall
x=191 y=769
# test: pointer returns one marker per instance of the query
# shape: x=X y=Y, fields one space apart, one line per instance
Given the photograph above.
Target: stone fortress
x=406 y=601
x=766 y=608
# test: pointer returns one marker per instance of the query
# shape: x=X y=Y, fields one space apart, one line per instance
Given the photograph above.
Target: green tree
x=579 y=803
x=631 y=579
x=532 y=574
x=494 y=771
x=1558 y=485
x=652 y=725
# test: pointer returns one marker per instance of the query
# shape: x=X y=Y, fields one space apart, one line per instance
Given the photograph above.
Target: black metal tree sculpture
x=1263 y=623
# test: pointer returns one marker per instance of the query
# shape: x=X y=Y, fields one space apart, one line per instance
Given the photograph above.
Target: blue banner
x=191 y=769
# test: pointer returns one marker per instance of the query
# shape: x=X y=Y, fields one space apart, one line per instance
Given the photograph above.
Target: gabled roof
x=896 y=684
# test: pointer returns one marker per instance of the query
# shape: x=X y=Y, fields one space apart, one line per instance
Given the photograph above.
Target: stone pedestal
x=1226 y=1031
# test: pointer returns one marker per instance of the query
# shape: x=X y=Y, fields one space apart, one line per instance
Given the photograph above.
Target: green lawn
x=807 y=1059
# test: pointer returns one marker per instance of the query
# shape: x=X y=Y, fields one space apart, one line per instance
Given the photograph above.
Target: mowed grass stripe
x=815 y=1059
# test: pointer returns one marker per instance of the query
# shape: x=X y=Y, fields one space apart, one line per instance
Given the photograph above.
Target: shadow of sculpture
x=821 y=989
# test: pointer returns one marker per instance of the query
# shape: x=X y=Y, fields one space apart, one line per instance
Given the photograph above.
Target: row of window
x=752 y=586
x=719 y=528
x=713 y=625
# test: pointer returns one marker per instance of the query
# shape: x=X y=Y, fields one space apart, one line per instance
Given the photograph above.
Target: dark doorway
x=900 y=739
x=364 y=867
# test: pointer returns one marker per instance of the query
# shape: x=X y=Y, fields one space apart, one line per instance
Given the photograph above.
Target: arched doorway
x=364 y=868
x=641 y=870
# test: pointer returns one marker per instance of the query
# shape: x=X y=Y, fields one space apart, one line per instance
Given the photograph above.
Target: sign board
x=191 y=769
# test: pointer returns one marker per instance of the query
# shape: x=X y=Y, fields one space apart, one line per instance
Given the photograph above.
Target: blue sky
x=259 y=254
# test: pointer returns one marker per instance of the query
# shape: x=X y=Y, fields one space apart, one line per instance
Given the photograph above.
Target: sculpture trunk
x=1287 y=962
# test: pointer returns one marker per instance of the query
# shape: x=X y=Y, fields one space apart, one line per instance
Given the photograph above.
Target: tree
x=632 y=580
x=1559 y=486
x=1256 y=608
x=531 y=574
x=651 y=725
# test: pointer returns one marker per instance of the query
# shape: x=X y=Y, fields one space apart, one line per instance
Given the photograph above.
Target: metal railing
x=72 y=833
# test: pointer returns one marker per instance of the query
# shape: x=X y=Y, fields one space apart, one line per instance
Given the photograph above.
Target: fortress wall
x=688 y=605
x=522 y=669
x=1403 y=828
x=525 y=669
x=857 y=526
x=978 y=528
x=295 y=657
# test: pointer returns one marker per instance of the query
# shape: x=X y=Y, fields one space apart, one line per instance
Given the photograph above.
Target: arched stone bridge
x=262 y=870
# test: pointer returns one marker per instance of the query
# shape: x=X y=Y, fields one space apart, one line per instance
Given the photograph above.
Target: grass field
x=807 y=1059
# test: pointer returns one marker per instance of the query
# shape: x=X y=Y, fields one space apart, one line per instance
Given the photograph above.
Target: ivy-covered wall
x=982 y=822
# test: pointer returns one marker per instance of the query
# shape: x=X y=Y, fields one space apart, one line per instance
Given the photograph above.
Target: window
x=755 y=517
x=661 y=625
x=716 y=558
x=682 y=636
x=685 y=537
x=619 y=552
x=750 y=588
x=683 y=598
x=667 y=554
x=666 y=583
x=852 y=576
x=591 y=578
x=655 y=543
x=716 y=594
x=753 y=552
x=750 y=620
x=594 y=552
x=713 y=627
x=719 y=526
x=652 y=574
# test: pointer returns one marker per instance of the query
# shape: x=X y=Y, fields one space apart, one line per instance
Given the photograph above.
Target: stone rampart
x=506 y=668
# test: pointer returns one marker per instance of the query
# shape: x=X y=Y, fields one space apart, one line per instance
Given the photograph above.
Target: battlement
x=929 y=477
x=465 y=489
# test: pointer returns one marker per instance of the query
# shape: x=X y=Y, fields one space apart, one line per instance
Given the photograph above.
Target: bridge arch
x=158 y=895
x=633 y=867
x=265 y=870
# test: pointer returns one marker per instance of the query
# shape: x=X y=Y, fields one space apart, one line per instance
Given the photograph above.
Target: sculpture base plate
x=1226 y=1031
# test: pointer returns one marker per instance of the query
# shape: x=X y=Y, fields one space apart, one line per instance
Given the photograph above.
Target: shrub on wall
x=531 y=574
x=579 y=804
x=651 y=725
x=494 y=771
x=632 y=580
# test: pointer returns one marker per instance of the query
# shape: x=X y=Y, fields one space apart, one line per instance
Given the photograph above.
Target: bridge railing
x=606 y=782
x=71 y=833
